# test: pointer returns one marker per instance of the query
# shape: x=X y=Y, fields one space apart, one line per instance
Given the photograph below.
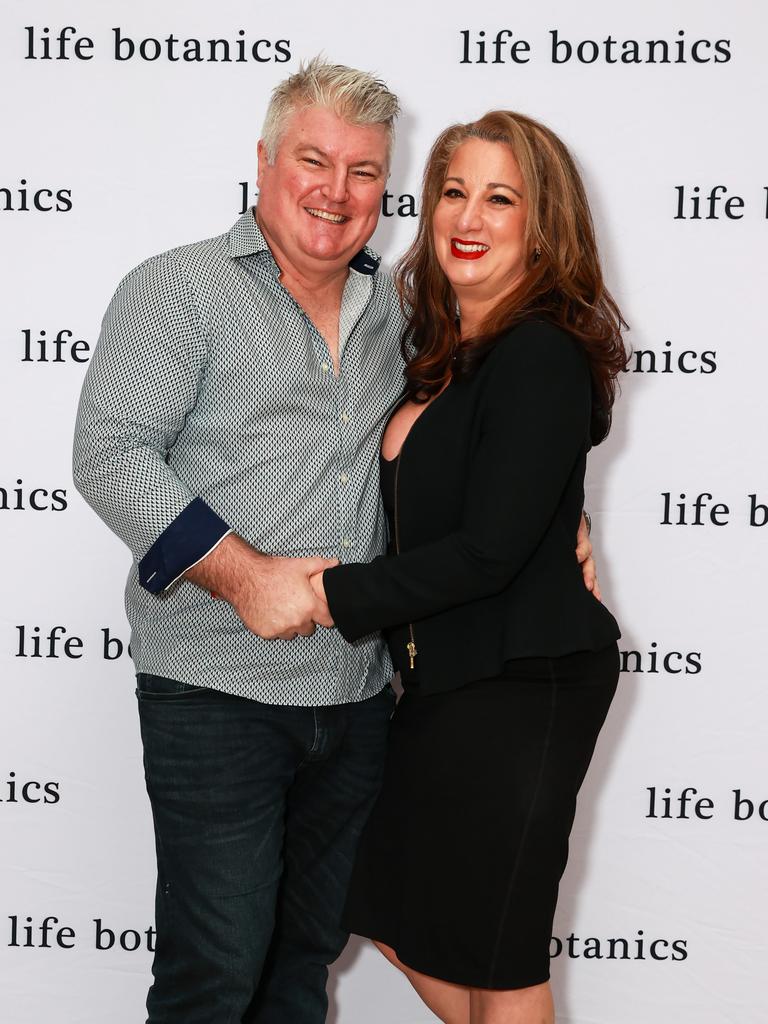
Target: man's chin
x=329 y=251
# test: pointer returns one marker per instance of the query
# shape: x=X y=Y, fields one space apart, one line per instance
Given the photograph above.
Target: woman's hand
x=585 y=559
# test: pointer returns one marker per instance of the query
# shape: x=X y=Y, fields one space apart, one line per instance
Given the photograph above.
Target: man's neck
x=311 y=278
x=318 y=290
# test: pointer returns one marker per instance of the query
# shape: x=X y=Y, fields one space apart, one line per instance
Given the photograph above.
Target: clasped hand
x=276 y=598
x=282 y=598
x=303 y=580
x=289 y=599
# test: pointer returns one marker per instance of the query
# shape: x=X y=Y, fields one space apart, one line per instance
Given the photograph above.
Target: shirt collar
x=246 y=239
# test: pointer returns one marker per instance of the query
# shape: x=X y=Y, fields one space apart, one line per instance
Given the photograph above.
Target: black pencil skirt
x=459 y=865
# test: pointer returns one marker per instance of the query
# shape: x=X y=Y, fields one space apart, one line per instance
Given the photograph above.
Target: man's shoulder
x=193 y=265
x=386 y=291
x=206 y=256
x=385 y=279
x=384 y=283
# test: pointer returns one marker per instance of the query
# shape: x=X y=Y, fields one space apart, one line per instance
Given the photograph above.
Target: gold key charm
x=411 y=648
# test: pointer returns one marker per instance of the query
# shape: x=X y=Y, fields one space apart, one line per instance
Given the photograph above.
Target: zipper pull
x=411 y=648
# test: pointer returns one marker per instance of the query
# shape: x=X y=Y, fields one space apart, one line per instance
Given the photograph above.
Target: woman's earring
x=536 y=254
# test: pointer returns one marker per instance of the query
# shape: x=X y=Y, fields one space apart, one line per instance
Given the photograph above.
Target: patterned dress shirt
x=211 y=405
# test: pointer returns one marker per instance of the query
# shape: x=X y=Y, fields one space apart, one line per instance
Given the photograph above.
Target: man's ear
x=261 y=155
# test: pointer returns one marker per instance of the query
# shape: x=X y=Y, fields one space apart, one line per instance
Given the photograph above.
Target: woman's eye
x=501 y=200
x=453 y=193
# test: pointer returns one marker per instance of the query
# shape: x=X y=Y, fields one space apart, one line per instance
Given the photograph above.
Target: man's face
x=320 y=200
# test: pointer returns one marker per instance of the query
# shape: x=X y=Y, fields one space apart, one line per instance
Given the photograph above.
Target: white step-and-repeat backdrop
x=127 y=130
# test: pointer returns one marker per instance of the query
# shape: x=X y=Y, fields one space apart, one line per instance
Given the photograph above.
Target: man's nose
x=335 y=186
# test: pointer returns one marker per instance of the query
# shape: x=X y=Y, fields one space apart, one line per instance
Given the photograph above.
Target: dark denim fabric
x=257 y=811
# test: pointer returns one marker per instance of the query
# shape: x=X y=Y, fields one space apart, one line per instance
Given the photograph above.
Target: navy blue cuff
x=191 y=535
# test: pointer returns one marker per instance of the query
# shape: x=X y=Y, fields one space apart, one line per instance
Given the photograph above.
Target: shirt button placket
x=345 y=450
x=346 y=497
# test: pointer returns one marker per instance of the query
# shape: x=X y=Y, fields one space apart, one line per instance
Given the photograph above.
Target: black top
x=490 y=488
x=388 y=478
x=399 y=636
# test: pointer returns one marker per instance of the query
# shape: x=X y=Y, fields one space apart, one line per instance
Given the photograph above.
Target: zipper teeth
x=397 y=535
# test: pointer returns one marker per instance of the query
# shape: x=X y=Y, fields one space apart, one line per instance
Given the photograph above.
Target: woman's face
x=479 y=222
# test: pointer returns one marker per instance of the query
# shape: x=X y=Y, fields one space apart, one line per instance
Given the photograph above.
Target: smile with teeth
x=461 y=249
x=334 y=218
x=469 y=246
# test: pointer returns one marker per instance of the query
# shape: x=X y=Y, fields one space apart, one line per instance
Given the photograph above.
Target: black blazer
x=489 y=497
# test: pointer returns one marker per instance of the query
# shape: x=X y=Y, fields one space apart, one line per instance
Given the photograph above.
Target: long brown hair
x=563 y=283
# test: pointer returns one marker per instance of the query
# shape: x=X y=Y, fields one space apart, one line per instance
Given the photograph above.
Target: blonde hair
x=355 y=96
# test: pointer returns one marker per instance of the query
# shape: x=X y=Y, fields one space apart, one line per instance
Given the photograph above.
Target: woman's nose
x=470 y=217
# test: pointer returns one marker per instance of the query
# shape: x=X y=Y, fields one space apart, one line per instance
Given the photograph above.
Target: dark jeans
x=257 y=811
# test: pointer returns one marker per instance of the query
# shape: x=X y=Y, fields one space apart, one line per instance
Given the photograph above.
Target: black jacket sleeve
x=535 y=410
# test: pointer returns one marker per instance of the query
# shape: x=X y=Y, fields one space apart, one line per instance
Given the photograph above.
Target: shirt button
x=344 y=477
x=325 y=367
x=346 y=542
x=345 y=417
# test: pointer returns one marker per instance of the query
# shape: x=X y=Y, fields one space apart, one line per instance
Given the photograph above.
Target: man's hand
x=277 y=602
x=271 y=595
x=585 y=559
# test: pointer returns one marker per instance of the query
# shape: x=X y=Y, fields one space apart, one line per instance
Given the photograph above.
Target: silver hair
x=355 y=96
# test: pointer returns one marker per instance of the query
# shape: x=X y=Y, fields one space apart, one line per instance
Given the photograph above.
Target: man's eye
x=311 y=160
x=364 y=174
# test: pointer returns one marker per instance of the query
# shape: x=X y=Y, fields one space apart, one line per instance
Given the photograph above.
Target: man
x=233 y=407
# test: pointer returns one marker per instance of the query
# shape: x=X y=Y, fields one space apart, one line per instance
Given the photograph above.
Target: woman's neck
x=472 y=314
x=474 y=308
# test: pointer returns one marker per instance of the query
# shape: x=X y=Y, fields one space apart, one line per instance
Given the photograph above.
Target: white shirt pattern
x=211 y=404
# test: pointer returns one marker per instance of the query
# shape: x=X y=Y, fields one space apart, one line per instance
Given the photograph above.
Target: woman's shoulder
x=538 y=344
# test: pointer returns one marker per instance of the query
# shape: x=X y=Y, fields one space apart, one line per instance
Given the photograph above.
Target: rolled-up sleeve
x=141 y=384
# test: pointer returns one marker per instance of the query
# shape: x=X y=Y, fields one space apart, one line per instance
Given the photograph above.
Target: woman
x=508 y=663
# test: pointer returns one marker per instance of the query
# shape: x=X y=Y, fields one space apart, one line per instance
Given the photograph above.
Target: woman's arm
x=536 y=410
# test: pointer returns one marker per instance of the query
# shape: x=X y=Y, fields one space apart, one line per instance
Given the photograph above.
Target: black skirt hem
x=467 y=979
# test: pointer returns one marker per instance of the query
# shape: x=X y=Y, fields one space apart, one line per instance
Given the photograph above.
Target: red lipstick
x=455 y=251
